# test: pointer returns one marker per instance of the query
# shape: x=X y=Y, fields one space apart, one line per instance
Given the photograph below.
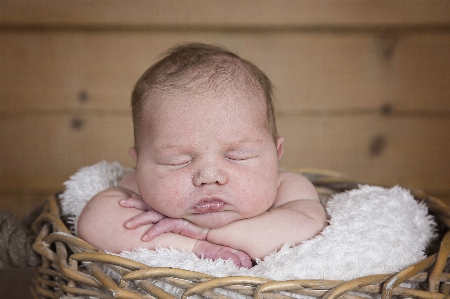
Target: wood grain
x=223 y=13
x=414 y=153
x=57 y=71
x=362 y=87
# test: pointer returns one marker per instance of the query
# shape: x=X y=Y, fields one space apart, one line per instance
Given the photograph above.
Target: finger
x=176 y=226
x=205 y=249
x=228 y=255
x=134 y=202
x=163 y=226
x=148 y=217
x=191 y=230
x=244 y=259
x=239 y=258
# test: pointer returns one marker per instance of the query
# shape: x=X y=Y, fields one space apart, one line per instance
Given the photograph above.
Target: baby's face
x=208 y=159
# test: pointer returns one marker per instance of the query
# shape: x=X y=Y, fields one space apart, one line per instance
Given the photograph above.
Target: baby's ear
x=133 y=153
x=280 y=149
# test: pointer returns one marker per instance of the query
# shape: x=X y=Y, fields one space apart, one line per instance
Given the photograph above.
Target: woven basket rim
x=71 y=266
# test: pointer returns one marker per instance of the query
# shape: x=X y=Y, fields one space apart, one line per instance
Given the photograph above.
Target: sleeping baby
x=207 y=177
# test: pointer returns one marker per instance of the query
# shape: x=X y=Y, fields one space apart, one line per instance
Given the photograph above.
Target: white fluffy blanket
x=371 y=230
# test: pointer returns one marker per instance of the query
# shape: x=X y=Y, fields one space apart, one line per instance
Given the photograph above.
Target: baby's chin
x=213 y=219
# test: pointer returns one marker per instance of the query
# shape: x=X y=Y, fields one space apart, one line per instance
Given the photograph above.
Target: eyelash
x=238 y=158
x=183 y=163
x=180 y=164
x=175 y=164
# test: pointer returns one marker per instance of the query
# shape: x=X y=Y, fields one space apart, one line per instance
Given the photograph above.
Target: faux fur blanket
x=372 y=230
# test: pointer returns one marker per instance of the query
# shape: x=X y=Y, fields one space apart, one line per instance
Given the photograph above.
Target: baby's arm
x=297 y=215
x=101 y=223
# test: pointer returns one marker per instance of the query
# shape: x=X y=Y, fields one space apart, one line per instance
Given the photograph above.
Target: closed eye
x=177 y=163
x=236 y=157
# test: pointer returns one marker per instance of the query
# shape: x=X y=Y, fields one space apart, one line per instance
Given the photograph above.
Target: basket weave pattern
x=71 y=267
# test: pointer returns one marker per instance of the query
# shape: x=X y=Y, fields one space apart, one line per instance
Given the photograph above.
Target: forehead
x=233 y=83
x=228 y=99
x=204 y=97
x=230 y=112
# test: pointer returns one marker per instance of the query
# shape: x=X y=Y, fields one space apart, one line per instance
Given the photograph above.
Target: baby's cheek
x=266 y=193
x=171 y=198
x=177 y=198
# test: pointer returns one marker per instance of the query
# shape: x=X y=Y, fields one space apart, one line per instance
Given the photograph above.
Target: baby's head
x=196 y=69
x=206 y=145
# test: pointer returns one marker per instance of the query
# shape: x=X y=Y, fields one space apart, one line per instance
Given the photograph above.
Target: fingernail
x=144 y=238
x=128 y=224
x=122 y=201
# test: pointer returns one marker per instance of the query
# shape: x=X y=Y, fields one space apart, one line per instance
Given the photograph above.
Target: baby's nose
x=208 y=176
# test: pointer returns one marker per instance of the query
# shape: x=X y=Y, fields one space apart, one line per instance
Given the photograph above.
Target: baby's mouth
x=209 y=205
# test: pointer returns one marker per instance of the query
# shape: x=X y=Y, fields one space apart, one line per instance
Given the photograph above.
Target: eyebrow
x=164 y=147
x=247 y=140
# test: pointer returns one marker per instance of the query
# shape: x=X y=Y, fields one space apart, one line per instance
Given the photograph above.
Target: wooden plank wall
x=362 y=87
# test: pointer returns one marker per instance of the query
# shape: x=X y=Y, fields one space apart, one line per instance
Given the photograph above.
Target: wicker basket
x=71 y=267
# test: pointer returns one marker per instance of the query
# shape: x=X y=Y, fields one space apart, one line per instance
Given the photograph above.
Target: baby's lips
x=210 y=205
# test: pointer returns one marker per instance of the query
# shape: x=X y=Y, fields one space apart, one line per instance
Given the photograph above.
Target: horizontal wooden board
x=223 y=13
x=40 y=152
x=51 y=72
x=408 y=151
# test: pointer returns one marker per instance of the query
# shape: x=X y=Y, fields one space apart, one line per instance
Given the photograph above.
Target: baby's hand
x=213 y=251
x=176 y=226
x=150 y=216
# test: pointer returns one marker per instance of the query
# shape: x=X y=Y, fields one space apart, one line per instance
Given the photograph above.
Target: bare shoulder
x=101 y=222
x=294 y=186
x=296 y=192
